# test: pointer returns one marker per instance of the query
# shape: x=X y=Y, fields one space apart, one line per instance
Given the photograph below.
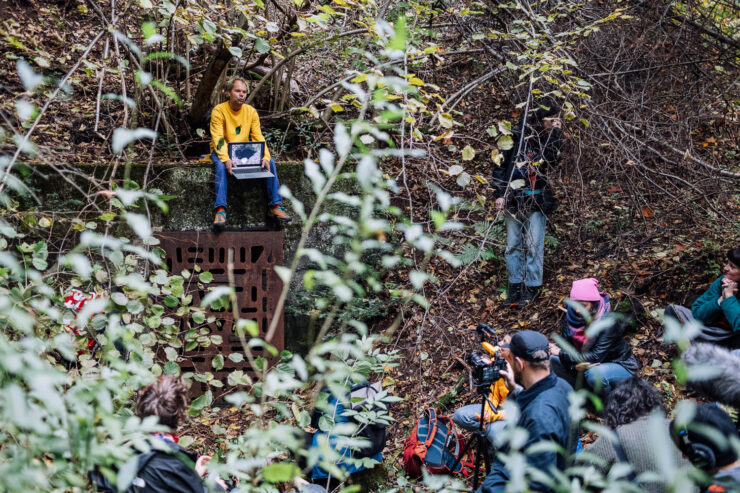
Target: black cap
x=527 y=342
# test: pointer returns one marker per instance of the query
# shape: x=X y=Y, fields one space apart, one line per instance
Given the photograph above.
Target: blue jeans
x=273 y=185
x=525 y=248
x=601 y=378
x=466 y=418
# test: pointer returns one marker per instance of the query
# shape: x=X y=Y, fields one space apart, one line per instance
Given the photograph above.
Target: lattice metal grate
x=257 y=285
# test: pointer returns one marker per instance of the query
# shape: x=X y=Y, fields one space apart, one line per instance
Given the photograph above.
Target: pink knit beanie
x=585 y=290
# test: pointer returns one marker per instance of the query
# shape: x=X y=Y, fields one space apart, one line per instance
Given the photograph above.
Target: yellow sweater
x=234 y=126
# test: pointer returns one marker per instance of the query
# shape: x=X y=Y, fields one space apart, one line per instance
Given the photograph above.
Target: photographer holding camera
x=542 y=398
x=486 y=376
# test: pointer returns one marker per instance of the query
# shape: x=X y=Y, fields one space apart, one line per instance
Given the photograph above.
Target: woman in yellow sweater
x=234 y=121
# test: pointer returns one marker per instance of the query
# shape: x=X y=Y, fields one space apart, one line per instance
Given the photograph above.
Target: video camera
x=486 y=370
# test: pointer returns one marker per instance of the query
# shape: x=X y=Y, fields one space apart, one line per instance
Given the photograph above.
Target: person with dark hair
x=718 y=309
x=522 y=190
x=627 y=411
x=234 y=121
x=177 y=469
x=605 y=358
x=543 y=403
x=711 y=442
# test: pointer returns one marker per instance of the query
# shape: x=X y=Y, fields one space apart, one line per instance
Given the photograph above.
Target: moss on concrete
x=191 y=209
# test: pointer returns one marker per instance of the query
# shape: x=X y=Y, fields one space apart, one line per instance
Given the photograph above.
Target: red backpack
x=435 y=444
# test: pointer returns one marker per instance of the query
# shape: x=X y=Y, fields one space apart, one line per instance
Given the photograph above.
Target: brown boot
x=278 y=212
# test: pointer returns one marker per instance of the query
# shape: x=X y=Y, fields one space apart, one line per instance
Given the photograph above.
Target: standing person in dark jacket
x=177 y=470
x=521 y=187
x=542 y=398
x=606 y=358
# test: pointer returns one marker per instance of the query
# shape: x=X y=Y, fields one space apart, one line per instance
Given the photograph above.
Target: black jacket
x=161 y=471
x=544 y=414
x=543 y=150
x=608 y=346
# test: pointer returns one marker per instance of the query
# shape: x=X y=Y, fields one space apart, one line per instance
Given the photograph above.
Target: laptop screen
x=246 y=153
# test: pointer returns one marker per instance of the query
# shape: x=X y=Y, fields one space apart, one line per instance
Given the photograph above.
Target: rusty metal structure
x=253 y=256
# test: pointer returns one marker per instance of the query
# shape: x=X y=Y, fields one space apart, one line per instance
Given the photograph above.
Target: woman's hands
x=202 y=470
x=729 y=288
x=200 y=465
x=585 y=365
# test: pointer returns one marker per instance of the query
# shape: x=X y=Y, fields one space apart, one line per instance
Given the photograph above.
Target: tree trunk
x=202 y=99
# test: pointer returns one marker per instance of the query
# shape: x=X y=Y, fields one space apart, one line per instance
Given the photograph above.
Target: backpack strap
x=432 y=427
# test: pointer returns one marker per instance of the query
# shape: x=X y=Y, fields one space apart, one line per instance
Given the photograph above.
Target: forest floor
x=644 y=257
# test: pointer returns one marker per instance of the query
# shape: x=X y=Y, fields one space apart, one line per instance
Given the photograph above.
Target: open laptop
x=247 y=158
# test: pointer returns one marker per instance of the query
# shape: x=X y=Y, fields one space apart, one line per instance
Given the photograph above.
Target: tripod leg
x=462 y=454
x=478 y=456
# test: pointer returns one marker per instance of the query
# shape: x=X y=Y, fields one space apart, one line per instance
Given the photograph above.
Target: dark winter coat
x=539 y=148
x=161 y=471
x=608 y=346
x=544 y=414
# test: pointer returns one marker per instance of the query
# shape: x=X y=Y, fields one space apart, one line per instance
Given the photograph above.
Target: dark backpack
x=435 y=444
x=375 y=433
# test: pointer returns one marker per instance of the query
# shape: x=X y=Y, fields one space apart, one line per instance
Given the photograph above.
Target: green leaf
x=39 y=263
x=170 y=301
x=438 y=218
x=201 y=403
x=134 y=307
x=463 y=180
x=236 y=357
x=119 y=298
x=326 y=422
x=261 y=45
x=171 y=353
x=140 y=224
x=398 y=40
x=468 y=153
x=248 y=326
x=205 y=277
x=199 y=317
x=505 y=142
x=171 y=368
x=29 y=78
x=124 y=136
x=280 y=473
x=236 y=51
x=446 y=120
x=218 y=362
x=185 y=440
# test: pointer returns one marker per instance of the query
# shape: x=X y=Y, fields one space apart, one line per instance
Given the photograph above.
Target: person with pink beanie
x=604 y=358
